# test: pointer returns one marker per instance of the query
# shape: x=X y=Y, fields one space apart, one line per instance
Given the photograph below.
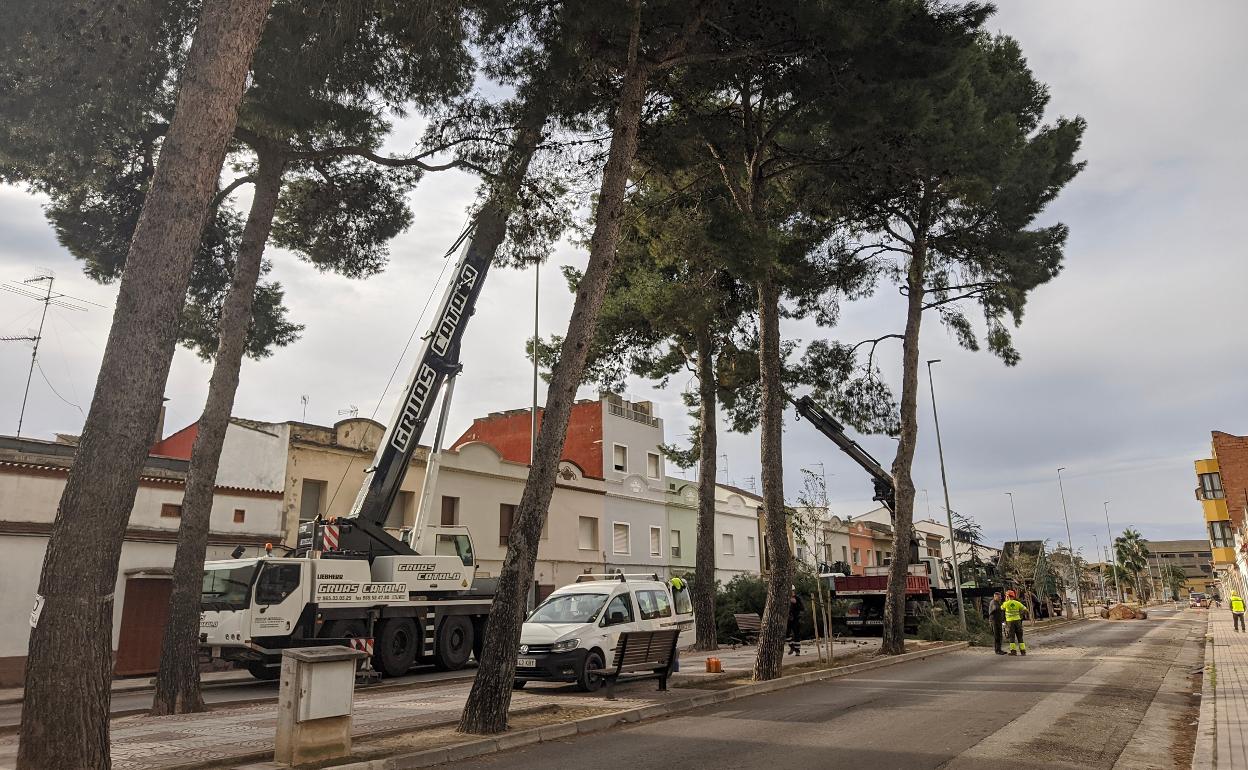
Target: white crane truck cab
x=578 y=626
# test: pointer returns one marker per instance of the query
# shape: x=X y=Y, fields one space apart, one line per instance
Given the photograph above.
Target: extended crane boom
x=362 y=529
x=439 y=359
x=885 y=492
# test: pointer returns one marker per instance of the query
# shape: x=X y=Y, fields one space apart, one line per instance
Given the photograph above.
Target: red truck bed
x=866 y=585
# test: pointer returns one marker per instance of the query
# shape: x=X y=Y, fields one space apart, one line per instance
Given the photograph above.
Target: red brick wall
x=508 y=433
x=1232 y=454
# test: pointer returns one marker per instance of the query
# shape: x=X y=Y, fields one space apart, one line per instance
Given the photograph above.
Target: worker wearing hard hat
x=1014 y=611
x=1237 y=611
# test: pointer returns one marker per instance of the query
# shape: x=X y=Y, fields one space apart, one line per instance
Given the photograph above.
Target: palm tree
x=1132 y=551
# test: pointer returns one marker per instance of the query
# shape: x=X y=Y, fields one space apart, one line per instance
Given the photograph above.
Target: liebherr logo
x=444 y=333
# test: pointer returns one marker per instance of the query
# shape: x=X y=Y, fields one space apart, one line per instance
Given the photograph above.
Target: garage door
x=143 y=618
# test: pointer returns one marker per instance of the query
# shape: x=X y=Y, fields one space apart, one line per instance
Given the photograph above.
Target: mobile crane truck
x=349 y=581
x=867 y=593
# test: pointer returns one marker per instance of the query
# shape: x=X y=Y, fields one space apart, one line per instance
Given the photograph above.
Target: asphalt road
x=246 y=691
x=1076 y=700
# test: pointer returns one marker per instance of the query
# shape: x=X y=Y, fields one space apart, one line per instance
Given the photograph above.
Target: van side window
x=620 y=605
x=684 y=603
x=653 y=604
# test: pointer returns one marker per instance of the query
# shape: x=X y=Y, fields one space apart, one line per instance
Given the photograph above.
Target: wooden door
x=143 y=618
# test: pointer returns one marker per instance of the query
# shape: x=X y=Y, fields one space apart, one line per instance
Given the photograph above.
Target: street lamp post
x=1113 y=553
x=1078 y=590
x=1013 y=515
x=957 y=577
x=1100 y=573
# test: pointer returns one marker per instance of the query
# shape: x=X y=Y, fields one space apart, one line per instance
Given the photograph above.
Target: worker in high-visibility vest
x=1014 y=610
x=1237 y=611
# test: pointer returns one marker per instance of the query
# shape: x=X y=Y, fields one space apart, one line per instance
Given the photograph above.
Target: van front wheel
x=587 y=682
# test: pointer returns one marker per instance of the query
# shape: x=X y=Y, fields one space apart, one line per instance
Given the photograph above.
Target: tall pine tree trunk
x=486 y=709
x=768 y=662
x=177 y=683
x=69 y=666
x=704 y=560
x=903 y=520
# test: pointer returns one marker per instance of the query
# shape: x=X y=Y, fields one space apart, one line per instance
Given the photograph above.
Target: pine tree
x=954 y=199
x=65 y=715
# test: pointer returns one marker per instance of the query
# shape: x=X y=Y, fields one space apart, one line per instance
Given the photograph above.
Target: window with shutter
x=656 y=541
x=587 y=539
x=506 y=516
x=619 y=538
x=450 y=511
x=727 y=544
x=675 y=538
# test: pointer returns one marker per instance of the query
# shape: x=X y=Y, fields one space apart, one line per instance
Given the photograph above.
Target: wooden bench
x=641 y=655
x=749 y=626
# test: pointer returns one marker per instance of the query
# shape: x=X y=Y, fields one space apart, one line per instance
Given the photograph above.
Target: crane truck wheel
x=396 y=646
x=478 y=638
x=265 y=673
x=454 y=643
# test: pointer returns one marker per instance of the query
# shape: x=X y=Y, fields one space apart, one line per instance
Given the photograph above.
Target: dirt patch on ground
x=441 y=736
x=736 y=679
x=1186 y=724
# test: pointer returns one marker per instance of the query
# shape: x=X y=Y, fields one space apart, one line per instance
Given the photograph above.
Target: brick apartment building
x=1222 y=489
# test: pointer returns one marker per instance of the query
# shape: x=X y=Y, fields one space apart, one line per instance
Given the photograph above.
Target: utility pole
x=957 y=577
x=47 y=299
x=1069 y=542
x=537 y=289
x=1013 y=515
x=1113 y=553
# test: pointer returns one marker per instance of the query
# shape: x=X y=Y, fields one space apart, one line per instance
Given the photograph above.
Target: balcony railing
x=619 y=410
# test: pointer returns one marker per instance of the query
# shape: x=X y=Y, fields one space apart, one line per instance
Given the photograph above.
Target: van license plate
x=526 y=663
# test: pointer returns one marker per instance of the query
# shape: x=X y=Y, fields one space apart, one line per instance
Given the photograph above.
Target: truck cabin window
x=568 y=608
x=226 y=588
x=277 y=581
x=454 y=545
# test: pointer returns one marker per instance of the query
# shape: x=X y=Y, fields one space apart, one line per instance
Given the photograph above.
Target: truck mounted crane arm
x=362 y=529
x=885 y=492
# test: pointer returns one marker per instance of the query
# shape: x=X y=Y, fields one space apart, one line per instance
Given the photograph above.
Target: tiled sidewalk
x=151 y=743
x=1230 y=694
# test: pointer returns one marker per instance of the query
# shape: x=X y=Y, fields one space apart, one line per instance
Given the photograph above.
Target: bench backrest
x=748 y=621
x=637 y=647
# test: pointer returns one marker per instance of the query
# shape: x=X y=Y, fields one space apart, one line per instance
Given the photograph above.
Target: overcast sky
x=1129 y=358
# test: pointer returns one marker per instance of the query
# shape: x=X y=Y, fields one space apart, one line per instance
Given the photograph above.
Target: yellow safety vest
x=1013 y=610
x=1237 y=604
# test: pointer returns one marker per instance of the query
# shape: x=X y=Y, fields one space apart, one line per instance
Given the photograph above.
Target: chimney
x=159 y=433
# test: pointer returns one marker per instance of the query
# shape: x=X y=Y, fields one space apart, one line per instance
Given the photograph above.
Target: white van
x=578 y=626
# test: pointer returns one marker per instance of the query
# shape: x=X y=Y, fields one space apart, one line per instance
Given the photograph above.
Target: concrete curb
x=1204 y=754
x=480 y=746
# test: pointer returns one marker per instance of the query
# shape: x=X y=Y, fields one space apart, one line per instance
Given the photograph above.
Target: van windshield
x=226 y=587
x=569 y=608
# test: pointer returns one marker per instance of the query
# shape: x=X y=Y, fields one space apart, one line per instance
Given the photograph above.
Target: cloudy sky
x=1130 y=357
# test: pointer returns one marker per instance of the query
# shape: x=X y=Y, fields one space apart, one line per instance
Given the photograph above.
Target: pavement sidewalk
x=232 y=734
x=136 y=684
x=1224 y=732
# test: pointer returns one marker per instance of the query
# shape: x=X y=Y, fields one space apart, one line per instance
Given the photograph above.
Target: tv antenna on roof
x=351 y=409
x=26 y=289
x=304 y=399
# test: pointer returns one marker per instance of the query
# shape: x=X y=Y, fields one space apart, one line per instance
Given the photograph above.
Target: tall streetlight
x=957 y=577
x=1069 y=542
x=1013 y=515
x=1100 y=573
x=1113 y=553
